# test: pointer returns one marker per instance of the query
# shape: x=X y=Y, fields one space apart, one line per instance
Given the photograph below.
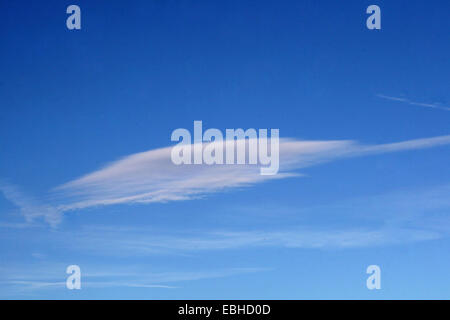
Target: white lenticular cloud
x=152 y=177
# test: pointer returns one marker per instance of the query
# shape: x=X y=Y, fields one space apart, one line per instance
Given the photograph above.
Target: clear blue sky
x=73 y=102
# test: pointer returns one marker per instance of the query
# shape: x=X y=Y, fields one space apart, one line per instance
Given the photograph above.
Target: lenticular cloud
x=151 y=176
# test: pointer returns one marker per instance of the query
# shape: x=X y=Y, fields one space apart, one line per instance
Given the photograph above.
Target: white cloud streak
x=413 y=103
x=39 y=277
x=139 y=243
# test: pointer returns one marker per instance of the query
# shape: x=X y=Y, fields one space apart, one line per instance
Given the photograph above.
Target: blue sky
x=372 y=106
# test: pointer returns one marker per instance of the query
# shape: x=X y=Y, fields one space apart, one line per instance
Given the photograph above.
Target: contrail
x=413 y=103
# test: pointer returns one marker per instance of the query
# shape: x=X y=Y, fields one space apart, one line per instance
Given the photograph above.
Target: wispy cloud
x=139 y=243
x=396 y=218
x=414 y=103
x=39 y=277
x=38 y=284
x=151 y=176
x=29 y=207
x=388 y=219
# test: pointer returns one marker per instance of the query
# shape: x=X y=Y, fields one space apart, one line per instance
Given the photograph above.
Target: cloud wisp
x=151 y=176
x=29 y=207
x=141 y=243
x=414 y=103
x=39 y=277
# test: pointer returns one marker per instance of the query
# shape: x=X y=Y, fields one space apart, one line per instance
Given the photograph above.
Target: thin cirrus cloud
x=151 y=176
x=392 y=218
x=414 y=103
x=38 y=277
x=399 y=217
x=140 y=243
x=30 y=207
